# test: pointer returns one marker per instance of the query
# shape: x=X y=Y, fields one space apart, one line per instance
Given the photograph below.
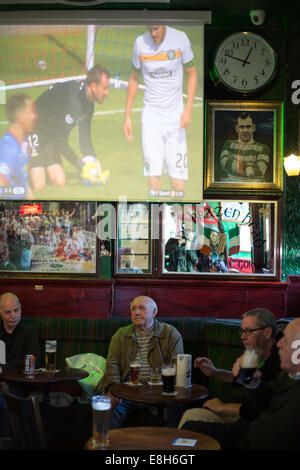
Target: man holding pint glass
x=277 y=425
x=146 y=344
x=258 y=334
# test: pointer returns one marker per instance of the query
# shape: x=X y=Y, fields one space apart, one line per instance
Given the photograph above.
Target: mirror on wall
x=225 y=238
x=134 y=244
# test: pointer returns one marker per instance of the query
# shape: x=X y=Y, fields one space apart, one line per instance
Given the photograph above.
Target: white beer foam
x=101 y=406
x=251 y=359
x=170 y=371
x=136 y=364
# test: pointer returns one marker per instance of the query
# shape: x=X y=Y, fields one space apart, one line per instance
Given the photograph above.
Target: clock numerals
x=245 y=42
x=235 y=44
x=228 y=52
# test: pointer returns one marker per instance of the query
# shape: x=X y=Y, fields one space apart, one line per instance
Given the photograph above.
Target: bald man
x=19 y=339
x=146 y=341
x=277 y=427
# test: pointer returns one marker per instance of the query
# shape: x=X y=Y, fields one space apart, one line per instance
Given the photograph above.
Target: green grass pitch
x=123 y=159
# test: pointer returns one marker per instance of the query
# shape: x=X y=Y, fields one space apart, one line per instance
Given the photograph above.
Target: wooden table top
x=44 y=376
x=152 y=394
x=156 y=438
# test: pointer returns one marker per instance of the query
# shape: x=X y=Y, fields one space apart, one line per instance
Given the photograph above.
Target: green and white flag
x=234 y=240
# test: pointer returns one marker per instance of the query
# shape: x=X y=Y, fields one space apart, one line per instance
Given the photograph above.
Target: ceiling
x=282 y=11
x=214 y=5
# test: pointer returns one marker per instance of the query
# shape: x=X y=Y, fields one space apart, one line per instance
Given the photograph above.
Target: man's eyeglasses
x=249 y=331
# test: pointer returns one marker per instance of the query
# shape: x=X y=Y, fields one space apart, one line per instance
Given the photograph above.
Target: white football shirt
x=162 y=68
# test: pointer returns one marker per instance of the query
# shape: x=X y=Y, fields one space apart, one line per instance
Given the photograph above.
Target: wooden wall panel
x=201 y=299
x=62 y=298
x=175 y=298
x=293 y=296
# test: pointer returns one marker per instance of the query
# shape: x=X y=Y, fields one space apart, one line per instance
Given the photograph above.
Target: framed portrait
x=48 y=237
x=134 y=243
x=244 y=146
x=223 y=239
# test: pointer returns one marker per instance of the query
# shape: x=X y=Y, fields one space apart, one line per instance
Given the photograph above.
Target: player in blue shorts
x=14 y=154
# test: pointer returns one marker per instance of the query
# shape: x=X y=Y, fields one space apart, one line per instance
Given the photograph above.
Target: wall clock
x=245 y=62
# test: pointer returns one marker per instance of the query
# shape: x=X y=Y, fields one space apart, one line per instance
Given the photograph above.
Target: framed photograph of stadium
x=134 y=243
x=244 y=146
x=221 y=239
x=48 y=237
x=113 y=105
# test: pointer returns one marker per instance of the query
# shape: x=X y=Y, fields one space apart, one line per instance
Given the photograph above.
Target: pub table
x=152 y=395
x=156 y=438
x=45 y=378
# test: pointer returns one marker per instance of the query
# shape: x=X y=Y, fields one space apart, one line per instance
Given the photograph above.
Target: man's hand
x=215 y=405
x=185 y=118
x=128 y=129
x=114 y=400
x=237 y=366
x=206 y=366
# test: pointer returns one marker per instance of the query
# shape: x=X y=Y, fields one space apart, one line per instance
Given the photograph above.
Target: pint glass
x=168 y=377
x=50 y=355
x=135 y=368
x=250 y=362
x=101 y=405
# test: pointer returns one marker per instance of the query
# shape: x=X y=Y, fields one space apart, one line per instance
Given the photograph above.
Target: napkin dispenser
x=184 y=370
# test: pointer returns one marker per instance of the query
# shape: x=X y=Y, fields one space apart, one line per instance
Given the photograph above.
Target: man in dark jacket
x=16 y=339
x=278 y=423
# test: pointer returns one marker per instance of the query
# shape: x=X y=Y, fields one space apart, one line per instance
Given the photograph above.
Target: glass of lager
x=168 y=376
x=101 y=405
x=250 y=361
x=50 y=355
x=155 y=376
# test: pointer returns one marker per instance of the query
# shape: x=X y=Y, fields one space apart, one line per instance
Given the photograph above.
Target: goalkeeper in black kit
x=60 y=108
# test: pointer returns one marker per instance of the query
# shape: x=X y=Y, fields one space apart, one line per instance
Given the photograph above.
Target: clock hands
x=245 y=61
x=237 y=58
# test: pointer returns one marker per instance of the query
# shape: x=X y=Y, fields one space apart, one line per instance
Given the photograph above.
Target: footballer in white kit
x=162 y=55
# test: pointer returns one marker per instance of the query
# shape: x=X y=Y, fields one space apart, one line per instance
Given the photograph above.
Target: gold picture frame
x=244 y=148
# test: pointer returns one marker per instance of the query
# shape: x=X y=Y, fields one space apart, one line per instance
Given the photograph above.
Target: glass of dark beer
x=250 y=362
x=135 y=368
x=168 y=376
x=50 y=355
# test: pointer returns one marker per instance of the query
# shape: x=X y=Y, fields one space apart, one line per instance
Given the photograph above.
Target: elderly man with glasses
x=258 y=331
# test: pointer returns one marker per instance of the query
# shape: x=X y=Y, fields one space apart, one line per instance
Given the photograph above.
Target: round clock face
x=245 y=62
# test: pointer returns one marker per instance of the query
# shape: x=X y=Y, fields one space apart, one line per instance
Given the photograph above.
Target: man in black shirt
x=258 y=331
x=60 y=108
x=19 y=339
x=277 y=426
